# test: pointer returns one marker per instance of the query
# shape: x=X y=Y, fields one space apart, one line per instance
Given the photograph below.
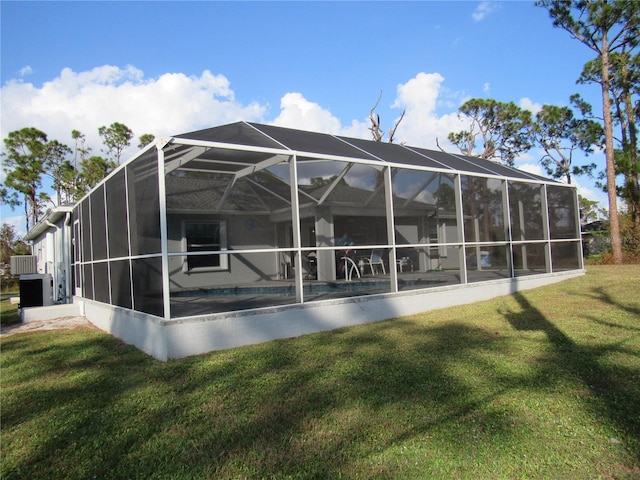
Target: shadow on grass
x=601 y=294
x=612 y=390
x=273 y=410
x=84 y=405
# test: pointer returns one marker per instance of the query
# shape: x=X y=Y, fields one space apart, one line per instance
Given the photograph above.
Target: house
x=50 y=240
x=245 y=233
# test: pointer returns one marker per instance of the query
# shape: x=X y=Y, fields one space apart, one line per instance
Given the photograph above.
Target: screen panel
x=85 y=229
x=98 y=224
x=120 y=283
x=529 y=259
x=147 y=285
x=565 y=256
x=563 y=218
x=117 y=218
x=487 y=262
x=101 y=282
x=483 y=209
x=144 y=205
x=87 y=290
x=525 y=204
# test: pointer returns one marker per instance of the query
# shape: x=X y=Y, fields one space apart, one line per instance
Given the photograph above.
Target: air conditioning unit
x=36 y=290
x=24 y=264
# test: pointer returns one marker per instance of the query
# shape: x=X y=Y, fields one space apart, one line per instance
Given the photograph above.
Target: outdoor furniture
x=375 y=259
x=349 y=267
x=403 y=262
x=312 y=264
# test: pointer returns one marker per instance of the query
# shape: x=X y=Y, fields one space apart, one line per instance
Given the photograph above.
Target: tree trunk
x=614 y=222
x=631 y=176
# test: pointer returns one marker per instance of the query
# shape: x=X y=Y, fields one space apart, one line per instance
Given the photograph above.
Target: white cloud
x=26 y=70
x=484 y=9
x=170 y=104
x=298 y=112
x=591 y=193
x=18 y=222
x=528 y=104
x=534 y=168
x=174 y=103
x=420 y=97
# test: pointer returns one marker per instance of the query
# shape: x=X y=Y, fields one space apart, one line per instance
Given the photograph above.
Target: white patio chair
x=403 y=262
x=349 y=267
x=375 y=259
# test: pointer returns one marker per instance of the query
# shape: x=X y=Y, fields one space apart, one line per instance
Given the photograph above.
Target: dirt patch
x=53 y=324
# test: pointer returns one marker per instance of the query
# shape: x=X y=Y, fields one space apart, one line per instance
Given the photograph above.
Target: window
x=205 y=237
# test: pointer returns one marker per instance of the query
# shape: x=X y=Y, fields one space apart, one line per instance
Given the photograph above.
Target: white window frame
x=224 y=258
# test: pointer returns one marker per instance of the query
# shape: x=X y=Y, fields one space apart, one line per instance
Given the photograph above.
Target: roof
x=52 y=216
x=269 y=138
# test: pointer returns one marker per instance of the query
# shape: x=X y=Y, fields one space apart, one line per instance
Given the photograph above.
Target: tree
x=92 y=171
x=504 y=128
x=116 y=138
x=560 y=134
x=79 y=150
x=25 y=159
x=321 y=181
x=376 y=130
x=624 y=89
x=145 y=139
x=10 y=244
x=628 y=113
x=605 y=27
x=589 y=210
x=60 y=170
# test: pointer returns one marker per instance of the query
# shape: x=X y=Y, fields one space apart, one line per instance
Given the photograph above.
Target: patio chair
x=375 y=259
x=403 y=262
x=349 y=267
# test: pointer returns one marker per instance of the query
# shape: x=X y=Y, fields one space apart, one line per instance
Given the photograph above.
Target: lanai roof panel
x=395 y=153
x=239 y=133
x=514 y=172
x=273 y=137
x=312 y=142
x=453 y=161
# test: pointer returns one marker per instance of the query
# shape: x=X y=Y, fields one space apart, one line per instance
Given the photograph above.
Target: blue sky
x=171 y=67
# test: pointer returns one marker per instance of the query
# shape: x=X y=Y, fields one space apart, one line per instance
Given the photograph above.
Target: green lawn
x=8 y=313
x=541 y=384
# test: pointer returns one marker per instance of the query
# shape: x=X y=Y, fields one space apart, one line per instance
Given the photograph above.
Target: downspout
x=66 y=260
x=54 y=273
x=63 y=250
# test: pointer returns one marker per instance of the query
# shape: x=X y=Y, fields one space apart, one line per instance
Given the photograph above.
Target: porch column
x=295 y=220
x=162 y=197
x=546 y=230
x=462 y=262
x=391 y=228
x=325 y=234
x=506 y=215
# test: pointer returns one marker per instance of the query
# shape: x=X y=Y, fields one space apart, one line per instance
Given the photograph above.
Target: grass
x=8 y=313
x=541 y=384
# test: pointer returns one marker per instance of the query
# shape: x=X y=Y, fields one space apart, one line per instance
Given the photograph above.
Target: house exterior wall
x=51 y=245
x=41 y=249
x=242 y=232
